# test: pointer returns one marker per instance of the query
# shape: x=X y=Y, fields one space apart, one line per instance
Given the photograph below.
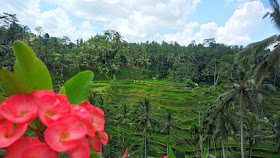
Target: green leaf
x=94 y=154
x=12 y=84
x=62 y=90
x=30 y=68
x=77 y=87
x=170 y=154
x=2 y=98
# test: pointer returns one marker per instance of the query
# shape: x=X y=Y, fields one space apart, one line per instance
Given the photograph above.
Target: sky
x=232 y=22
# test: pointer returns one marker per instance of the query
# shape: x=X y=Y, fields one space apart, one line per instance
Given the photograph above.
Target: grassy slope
x=169 y=96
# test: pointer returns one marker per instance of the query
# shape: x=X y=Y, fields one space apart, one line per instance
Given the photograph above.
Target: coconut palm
x=145 y=120
x=276 y=131
x=222 y=117
x=195 y=132
x=123 y=118
x=253 y=132
x=241 y=92
x=272 y=58
x=169 y=124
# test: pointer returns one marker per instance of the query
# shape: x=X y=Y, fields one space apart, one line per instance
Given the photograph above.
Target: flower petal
x=17 y=148
x=66 y=133
x=97 y=116
x=19 y=108
x=81 y=151
x=103 y=136
x=95 y=144
x=40 y=150
x=51 y=106
x=10 y=134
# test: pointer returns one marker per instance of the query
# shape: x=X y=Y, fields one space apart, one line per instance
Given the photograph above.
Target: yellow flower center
x=49 y=113
x=22 y=114
x=64 y=136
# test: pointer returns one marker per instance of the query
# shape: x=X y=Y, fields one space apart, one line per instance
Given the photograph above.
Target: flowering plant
x=63 y=122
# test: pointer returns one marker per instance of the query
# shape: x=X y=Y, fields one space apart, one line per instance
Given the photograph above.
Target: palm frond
x=266 y=66
x=254 y=48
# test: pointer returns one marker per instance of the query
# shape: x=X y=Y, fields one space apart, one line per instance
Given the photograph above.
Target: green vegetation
x=163 y=98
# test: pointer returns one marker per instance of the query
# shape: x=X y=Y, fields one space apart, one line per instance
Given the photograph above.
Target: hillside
x=184 y=104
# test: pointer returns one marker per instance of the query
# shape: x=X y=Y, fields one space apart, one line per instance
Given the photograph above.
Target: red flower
x=65 y=133
x=40 y=150
x=80 y=151
x=103 y=136
x=84 y=115
x=17 y=148
x=51 y=106
x=9 y=134
x=125 y=153
x=19 y=108
x=95 y=142
x=96 y=114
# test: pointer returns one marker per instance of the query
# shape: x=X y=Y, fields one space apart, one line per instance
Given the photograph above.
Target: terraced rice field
x=165 y=96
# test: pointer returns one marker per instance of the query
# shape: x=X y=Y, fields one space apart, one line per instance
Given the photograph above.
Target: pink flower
x=84 y=115
x=95 y=142
x=19 y=108
x=40 y=150
x=96 y=114
x=17 y=148
x=66 y=133
x=51 y=106
x=125 y=153
x=81 y=150
x=103 y=137
x=10 y=133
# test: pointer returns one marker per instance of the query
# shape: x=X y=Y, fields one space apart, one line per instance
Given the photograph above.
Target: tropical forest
x=105 y=97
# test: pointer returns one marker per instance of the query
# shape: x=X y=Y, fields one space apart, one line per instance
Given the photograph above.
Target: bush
x=190 y=83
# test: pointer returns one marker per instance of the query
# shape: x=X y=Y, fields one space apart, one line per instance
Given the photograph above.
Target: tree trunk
x=168 y=133
x=250 y=148
x=208 y=146
x=223 y=148
x=241 y=97
x=123 y=135
x=200 y=137
x=227 y=146
x=118 y=134
x=167 y=146
x=145 y=143
x=214 y=143
x=275 y=75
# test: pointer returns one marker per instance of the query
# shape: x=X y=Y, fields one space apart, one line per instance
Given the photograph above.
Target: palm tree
x=209 y=127
x=222 y=117
x=240 y=92
x=195 y=132
x=123 y=118
x=276 y=131
x=272 y=58
x=145 y=120
x=253 y=132
x=169 y=125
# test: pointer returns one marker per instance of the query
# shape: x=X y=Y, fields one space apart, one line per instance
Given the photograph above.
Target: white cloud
x=238 y=3
x=56 y=22
x=236 y=30
x=136 y=20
